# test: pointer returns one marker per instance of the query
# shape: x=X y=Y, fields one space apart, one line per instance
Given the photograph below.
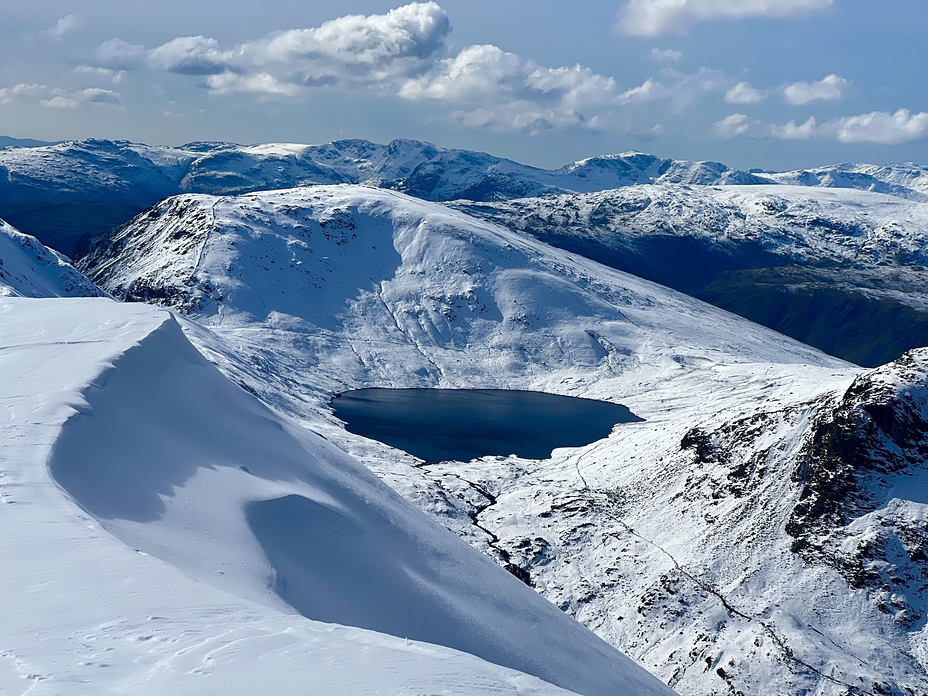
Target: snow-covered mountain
x=727 y=541
x=65 y=191
x=29 y=269
x=163 y=530
x=740 y=248
x=906 y=180
x=839 y=269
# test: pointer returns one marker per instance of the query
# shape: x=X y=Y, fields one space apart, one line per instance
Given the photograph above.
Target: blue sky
x=754 y=83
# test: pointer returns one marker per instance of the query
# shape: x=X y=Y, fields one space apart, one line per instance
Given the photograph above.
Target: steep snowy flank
x=28 y=269
x=841 y=270
x=674 y=538
x=230 y=519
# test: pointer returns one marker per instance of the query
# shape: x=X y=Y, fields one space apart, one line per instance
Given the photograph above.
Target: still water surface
x=463 y=424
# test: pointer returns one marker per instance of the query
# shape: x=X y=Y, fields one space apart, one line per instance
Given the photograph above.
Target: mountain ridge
x=107 y=182
x=671 y=537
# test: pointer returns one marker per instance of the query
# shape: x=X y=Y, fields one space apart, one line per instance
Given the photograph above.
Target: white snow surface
x=29 y=269
x=303 y=293
x=161 y=526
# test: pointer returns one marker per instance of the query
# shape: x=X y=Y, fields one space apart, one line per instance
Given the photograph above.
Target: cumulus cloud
x=509 y=93
x=655 y=17
x=732 y=126
x=679 y=88
x=881 y=127
x=795 y=131
x=117 y=54
x=376 y=51
x=22 y=90
x=57 y=98
x=744 y=93
x=404 y=53
x=261 y=84
x=411 y=33
x=830 y=88
x=878 y=127
x=93 y=71
x=191 y=55
x=666 y=54
x=63 y=26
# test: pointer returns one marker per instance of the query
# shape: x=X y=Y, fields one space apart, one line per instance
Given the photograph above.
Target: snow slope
x=675 y=538
x=205 y=520
x=29 y=269
x=839 y=269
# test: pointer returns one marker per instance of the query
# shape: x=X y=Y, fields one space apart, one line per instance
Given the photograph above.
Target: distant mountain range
x=843 y=271
x=64 y=191
x=6 y=141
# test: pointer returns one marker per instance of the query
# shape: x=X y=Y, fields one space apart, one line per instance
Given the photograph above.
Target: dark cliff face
x=862 y=477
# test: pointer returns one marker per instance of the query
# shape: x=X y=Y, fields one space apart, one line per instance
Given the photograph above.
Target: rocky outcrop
x=862 y=502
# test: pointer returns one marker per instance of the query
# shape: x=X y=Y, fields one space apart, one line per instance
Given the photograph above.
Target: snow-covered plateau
x=166 y=532
x=762 y=530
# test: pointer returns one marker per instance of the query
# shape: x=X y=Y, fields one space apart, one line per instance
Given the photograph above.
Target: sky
x=773 y=84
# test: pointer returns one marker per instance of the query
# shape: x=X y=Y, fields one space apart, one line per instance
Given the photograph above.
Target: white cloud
x=878 y=127
x=881 y=127
x=63 y=26
x=666 y=54
x=475 y=73
x=114 y=76
x=410 y=33
x=654 y=17
x=375 y=51
x=681 y=89
x=57 y=98
x=509 y=93
x=262 y=84
x=794 y=131
x=830 y=88
x=744 y=93
x=404 y=53
x=647 y=91
x=22 y=90
x=191 y=55
x=732 y=126
x=120 y=55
